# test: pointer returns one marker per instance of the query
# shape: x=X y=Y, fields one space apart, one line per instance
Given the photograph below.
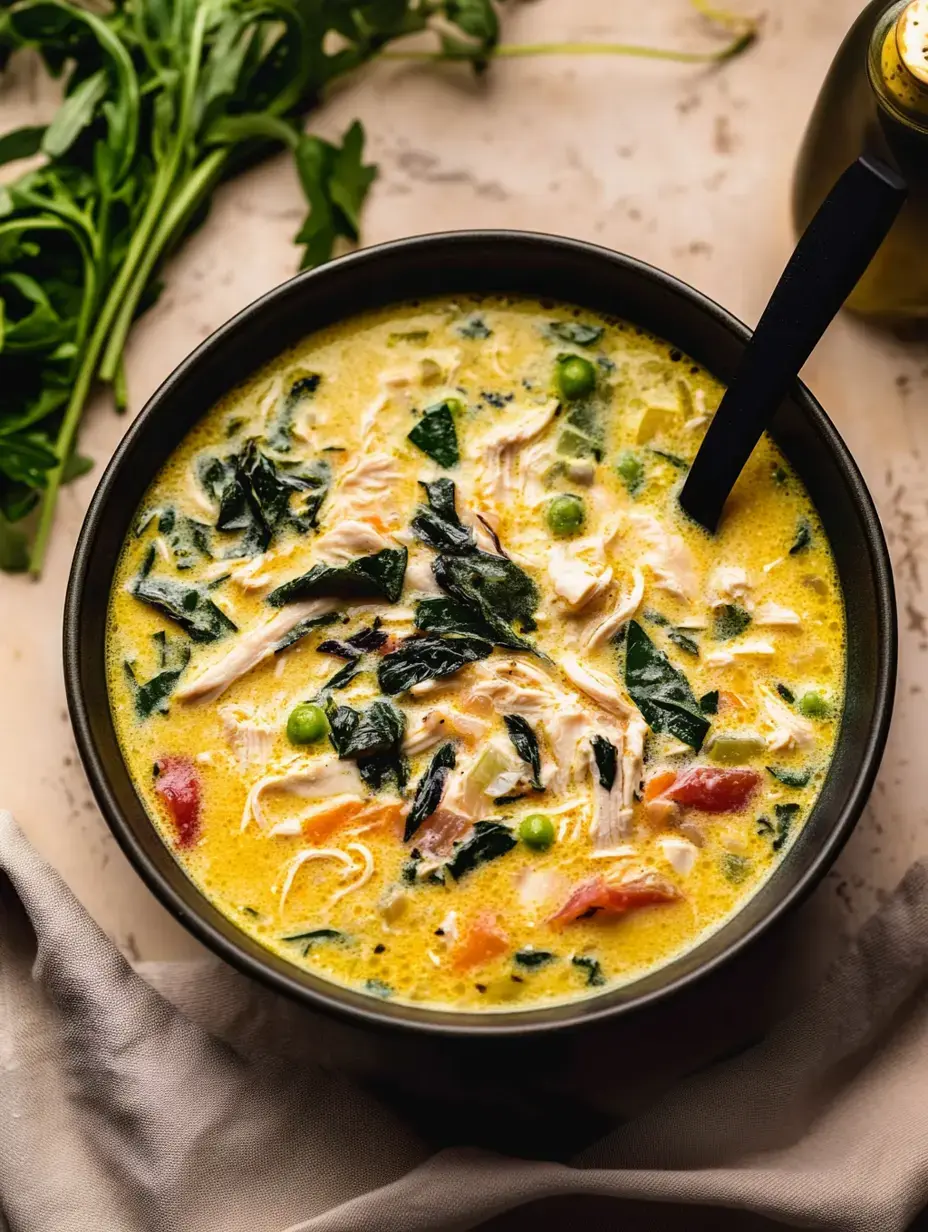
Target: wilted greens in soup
x=433 y=690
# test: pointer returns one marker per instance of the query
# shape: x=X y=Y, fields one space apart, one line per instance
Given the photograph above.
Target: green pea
x=307 y=724
x=735 y=750
x=813 y=705
x=576 y=377
x=565 y=515
x=630 y=469
x=537 y=831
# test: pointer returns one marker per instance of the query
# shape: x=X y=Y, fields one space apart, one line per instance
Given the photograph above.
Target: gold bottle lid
x=904 y=60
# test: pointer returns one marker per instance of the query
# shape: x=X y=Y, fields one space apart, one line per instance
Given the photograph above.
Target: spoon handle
x=832 y=254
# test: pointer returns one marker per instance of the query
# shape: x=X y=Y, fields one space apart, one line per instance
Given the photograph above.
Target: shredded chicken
x=667 y=556
x=602 y=629
x=730 y=584
x=611 y=820
x=746 y=650
x=680 y=853
x=249 y=739
x=367 y=871
x=514 y=686
x=500 y=449
x=349 y=539
x=326 y=776
x=419 y=576
x=597 y=685
x=250 y=649
x=578 y=573
x=565 y=727
x=440 y=724
x=777 y=617
x=365 y=488
x=633 y=759
x=790 y=730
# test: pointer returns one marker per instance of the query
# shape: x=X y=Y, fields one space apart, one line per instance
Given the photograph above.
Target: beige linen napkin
x=121 y=1112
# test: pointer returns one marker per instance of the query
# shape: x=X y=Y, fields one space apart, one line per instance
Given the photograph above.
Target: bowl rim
x=345 y=1003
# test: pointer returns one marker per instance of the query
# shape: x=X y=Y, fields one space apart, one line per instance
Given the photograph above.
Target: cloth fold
x=125 y=1111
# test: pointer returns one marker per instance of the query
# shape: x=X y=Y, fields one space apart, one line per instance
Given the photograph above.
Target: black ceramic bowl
x=533 y=265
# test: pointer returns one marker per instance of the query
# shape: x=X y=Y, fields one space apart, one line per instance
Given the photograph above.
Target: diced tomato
x=658 y=783
x=731 y=701
x=714 y=790
x=614 y=898
x=484 y=940
x=178 y=785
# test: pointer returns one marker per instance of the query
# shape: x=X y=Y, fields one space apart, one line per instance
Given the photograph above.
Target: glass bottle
x=875 y=98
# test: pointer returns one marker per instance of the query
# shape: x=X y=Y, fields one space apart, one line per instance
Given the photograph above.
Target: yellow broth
x=406 y=929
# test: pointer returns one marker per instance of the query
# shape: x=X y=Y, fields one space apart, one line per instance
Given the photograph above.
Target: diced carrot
x=658 y=783
x=325 y=821
x=483 y=941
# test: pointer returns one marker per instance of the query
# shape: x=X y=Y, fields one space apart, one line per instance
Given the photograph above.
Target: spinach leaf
x=370 y=638
x=429 y=789
x=709 y=702
x=436 y=435
x=444 y=616
x=734 y=868
x=378 y=988
x=257 y=497
x=188 y=539
x=369 y=577
x=279 y=433
x=189 y=606
x=499 y=590
x=675 y=460
x=439 y=526
x=729 y=621
x=684 y=641
x=152 y=696
x=787 y=694
x=305 y=626
x=490 y=839
x=344 y=676
x=315 y=935
x=790 y=778
x=383 y=768
x=533 y=958
x=525 y=743
x=607 y=761
x=803 y=538
x=660 y=691
x=785 y=816
x=365 y=733
x=428 y=658
x=475 y=328
x=576 y=333
x=592 y=967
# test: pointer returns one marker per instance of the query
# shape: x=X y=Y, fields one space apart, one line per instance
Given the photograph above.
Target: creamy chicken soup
x=430 y=686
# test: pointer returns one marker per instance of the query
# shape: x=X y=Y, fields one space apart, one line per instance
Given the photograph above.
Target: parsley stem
x=183 y=205
x=733 y=48
x=135 y=255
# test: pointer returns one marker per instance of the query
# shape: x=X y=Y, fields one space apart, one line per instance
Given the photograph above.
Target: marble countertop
x=684 y=166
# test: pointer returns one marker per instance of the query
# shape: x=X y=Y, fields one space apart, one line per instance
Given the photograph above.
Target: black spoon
x=832 y=254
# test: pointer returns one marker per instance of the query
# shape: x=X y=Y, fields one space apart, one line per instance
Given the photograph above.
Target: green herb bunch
x=162 y=99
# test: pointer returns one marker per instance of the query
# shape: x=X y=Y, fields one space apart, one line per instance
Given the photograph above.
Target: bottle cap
x=912 y=39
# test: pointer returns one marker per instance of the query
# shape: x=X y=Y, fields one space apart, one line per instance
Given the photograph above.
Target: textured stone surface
x=683 y=166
